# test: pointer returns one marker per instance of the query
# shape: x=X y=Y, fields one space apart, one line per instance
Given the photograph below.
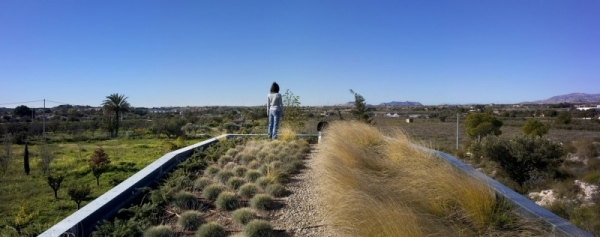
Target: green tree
x=522 y=157
x=26 y=160
x=78 y=193
x=117 y=104
x=292 y=113
x=6 y=154
x=54 y=180
x=534 y=127
x=563 y=118
x=360 y=111
x=22 y=111
x=481 y=124
x=99 y=163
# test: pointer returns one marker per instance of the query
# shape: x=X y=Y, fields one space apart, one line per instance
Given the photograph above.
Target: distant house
x=582 y=108
x=392 y=115
x=409 y=120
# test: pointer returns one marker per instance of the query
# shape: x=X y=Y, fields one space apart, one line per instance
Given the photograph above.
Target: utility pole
x=44 y=121
x=457 y=118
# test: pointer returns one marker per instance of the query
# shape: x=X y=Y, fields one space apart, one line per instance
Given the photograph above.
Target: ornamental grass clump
x=262 y=202
x=239 y=171
x=262 y=182
x=159 y=231
x=248 y=190
x=211 y=170
x=227 y=201
x=253 y=175
x=223 y=160
x=258 y=228
x=276 y=190
x=243 y=215
x=185 y=200
x=211 y=192
x=397 y=188
x=223 y=176
x=190 y=220
x=211 y=229
x=235 y=183
x=202 y=182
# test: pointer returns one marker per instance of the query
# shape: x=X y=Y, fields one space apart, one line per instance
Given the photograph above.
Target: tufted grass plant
x=159 y=231
x=227 y=201
x=253 y=165
x=235 y=183
x=223 y=176
x=287 y=133
x=211 y=170
x=248 y=190
x=262 y=202
x=202 y=182
x=211 y=229
x=263 y=182
x=239 y=171
x=243 y=215
x=185 y=200
x=253 y=175
x=190 y=220
x=211 y=192
x=259 y=228
x=276 y=190
x=398 y=189
x=223 y=160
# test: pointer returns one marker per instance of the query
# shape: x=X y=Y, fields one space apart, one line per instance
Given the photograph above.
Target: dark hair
x=274 y=88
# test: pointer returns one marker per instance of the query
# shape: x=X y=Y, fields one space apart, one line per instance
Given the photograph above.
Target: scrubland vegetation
x=386 y=186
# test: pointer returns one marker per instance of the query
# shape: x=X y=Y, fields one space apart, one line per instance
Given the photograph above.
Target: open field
x=32 y=192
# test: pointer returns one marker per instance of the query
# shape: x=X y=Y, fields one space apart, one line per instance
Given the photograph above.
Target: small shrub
x=223 y=176
x=211 y=170
x=202 y=182
x=211 y=192
x=262 y=202
x=248 y=190
x=159 y=231
x=190 y=220
x=185 y=200
x=235 y=183
x=224 y=160
x=253 y=175
x=263 y=182
x=211 y=229
x=239 y=171
x=592 y=177
x=276 y=190
x=253 y=164
x=243 y=215
x=227 y=201
x=258 y=228
x=229 y=166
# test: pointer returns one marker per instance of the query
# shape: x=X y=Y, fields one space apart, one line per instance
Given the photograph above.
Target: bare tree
x=47 y=154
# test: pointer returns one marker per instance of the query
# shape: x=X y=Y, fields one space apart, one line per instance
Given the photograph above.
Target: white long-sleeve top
x=274 y=102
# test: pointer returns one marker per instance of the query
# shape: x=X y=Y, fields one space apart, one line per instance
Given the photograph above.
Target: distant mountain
x=571 y=98
x=399 y=103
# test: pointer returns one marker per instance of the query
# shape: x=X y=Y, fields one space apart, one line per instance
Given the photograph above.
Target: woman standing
x=274 y=110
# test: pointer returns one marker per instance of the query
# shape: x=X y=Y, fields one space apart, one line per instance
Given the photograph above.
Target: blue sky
x=197 y=53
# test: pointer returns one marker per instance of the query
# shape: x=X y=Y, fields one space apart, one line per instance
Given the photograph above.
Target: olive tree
x=292 y=113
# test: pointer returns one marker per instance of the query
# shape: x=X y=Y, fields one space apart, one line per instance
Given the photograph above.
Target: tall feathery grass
x=374 y=185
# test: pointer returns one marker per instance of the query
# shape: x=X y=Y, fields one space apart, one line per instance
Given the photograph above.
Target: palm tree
x=116 y=103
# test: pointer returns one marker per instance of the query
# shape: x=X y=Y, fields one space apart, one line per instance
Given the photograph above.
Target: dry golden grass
x=286 y=133
x=373 y=185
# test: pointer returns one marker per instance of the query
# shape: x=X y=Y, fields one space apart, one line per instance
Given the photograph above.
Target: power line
x=13 y=103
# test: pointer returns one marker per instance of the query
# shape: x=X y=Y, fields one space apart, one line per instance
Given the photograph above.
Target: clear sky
x=197 y=53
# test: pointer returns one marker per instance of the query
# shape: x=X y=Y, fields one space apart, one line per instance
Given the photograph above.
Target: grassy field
x=36 y=198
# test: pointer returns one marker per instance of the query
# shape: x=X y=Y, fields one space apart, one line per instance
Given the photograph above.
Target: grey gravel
x=301 y=215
